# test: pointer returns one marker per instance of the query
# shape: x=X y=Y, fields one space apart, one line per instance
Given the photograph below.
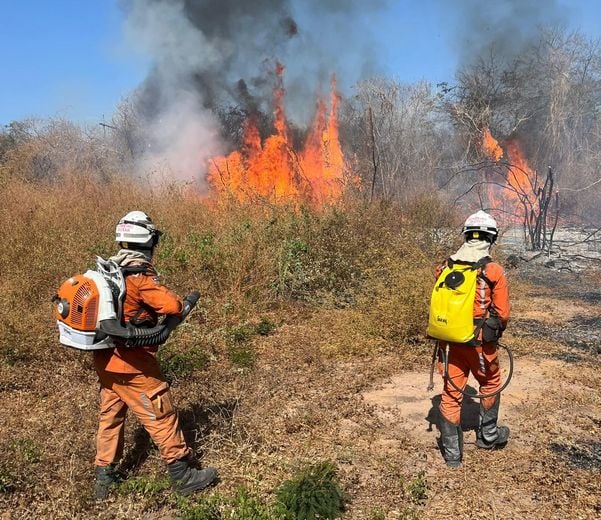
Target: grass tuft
x=177 y=366
x=27 y=450
x=144 y=485
x=7 y=481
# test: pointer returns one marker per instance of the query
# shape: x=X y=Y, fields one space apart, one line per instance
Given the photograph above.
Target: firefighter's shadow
x=197 y=421
x=470 y=411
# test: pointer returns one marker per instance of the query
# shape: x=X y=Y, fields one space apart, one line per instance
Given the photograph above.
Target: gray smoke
x=208 y=54
x=503 y=26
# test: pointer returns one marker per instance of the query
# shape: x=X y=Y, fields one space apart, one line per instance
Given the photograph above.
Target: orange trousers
x=482 y=362
x=149 y=399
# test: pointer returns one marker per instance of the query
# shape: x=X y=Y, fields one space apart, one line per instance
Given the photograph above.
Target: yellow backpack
x=452 y=304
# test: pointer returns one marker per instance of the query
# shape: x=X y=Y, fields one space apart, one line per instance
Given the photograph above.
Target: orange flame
x=491 y=146
x=520 y=178
x=517 y=190
x=273 y=170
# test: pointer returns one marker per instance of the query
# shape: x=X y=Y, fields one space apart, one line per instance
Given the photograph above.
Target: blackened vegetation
x=581 y=332
x=581 y=455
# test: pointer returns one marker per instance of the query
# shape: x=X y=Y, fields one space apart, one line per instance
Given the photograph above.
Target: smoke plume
x=210 y=54
x=504 y=26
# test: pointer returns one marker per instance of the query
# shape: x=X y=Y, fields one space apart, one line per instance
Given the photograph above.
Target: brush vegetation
x=285 y=290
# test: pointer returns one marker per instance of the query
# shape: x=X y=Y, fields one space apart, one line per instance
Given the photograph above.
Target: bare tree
x=390 y=130
x=548 y=99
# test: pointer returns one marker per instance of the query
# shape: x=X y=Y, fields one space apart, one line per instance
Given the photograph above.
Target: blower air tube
x=138 y=337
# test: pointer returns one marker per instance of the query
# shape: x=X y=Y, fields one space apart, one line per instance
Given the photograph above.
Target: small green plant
x=242 y=356
x=312 y=494
x=204 y=244
x=203 y=508
x=240 y=334
x=144 y=485
x=377 y=514
x=265 y=327
x=247 y=506
x=181 y=257
x=243 y=506
x=27 y=450
x=417 y=489
x=180 y=365
x=292 y=277
x=7 y=481
x=409 y=513
x=12 y=356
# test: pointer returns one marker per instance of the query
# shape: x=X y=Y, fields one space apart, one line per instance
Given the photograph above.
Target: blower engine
x=89 y=308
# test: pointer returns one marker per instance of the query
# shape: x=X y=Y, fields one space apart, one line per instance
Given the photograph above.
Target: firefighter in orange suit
x=130 y=376
x=491 y=313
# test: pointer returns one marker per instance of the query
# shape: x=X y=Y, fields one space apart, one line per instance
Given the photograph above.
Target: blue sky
x=68 y=57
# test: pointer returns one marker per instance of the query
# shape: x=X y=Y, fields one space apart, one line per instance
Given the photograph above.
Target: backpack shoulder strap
x=138 y=268
x=481 y=265
x=114 y=275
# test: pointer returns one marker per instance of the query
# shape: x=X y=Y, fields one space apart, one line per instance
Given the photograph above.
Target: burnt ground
x=574 y=298
x=316 y=392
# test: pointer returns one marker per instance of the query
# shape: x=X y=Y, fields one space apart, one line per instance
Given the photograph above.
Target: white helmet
x=480 y=222
x=137 y=230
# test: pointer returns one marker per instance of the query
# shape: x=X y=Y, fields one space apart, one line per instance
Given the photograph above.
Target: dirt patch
x=404 y=402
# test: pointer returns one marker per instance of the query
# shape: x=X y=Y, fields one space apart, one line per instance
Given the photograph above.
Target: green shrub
x=312 y=494
x=203 y=243
x=409 y=513
x=377 y=514
x=240 y=352
x=292 y=276
x=240 y=334
x=242 y=356
x=243 y=506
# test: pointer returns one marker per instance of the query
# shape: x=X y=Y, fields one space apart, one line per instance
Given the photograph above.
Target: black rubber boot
x=186 y=479
x=451 y=439
x=105 y=479
x=490 y=436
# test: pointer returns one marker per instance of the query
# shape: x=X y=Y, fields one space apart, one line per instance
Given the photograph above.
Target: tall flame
x=491 y=146
x=273 y=170
x=518 y=188
x=520 y=178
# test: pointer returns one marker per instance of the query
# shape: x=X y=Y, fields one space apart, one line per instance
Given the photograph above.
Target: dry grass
x=302 y=312
x=345 y=288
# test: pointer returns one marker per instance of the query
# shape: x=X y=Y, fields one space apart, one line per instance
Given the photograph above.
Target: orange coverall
x=130 y=377
x=481 y=361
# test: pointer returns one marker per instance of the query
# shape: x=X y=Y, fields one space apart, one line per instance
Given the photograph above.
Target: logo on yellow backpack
x=452 y=304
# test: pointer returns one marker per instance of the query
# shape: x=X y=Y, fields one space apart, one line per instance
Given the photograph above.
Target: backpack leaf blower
x=89 y=310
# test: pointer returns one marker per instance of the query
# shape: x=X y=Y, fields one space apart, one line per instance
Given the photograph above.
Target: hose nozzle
x=189 y=303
